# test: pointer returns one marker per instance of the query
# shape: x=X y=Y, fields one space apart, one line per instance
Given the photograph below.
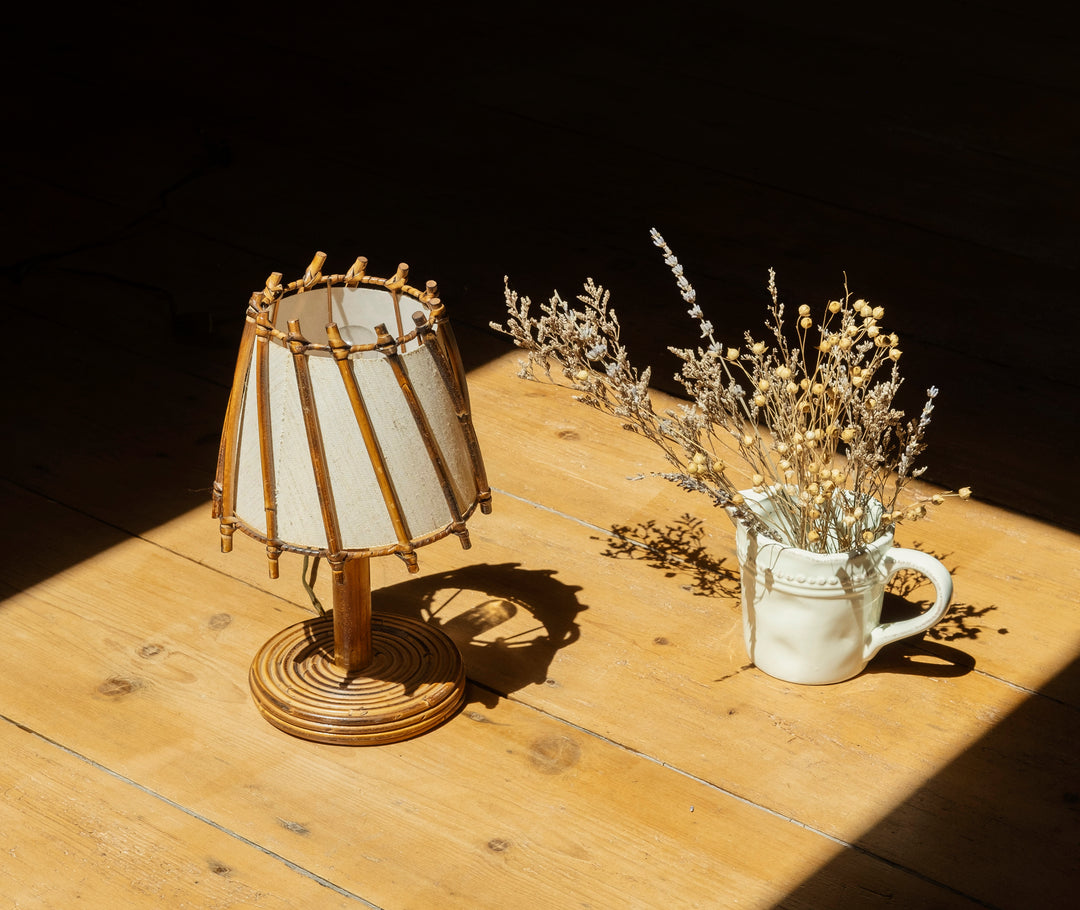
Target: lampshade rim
x=397 y=548
x=262 y=305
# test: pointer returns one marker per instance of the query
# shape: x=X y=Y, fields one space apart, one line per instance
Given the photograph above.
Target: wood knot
x=498 y=845
x=554 y=754
x=116 y=686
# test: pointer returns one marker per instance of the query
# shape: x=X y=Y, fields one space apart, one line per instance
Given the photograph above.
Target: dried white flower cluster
x=808 y=414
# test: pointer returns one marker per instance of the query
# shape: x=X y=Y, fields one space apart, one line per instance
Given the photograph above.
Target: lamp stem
x=352 y=615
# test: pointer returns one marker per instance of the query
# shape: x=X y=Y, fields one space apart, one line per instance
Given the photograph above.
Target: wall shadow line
x=998 y=826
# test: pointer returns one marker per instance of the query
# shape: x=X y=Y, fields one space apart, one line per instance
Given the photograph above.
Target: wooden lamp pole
x=352 y=615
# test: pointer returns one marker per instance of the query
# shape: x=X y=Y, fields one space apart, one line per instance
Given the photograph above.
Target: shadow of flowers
x=910 y=592
x=678 y=550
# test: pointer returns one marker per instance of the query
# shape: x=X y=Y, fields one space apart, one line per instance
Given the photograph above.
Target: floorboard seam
x=191 y=813
x=744 y=800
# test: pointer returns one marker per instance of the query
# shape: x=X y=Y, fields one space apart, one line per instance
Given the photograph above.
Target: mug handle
x=899 y=558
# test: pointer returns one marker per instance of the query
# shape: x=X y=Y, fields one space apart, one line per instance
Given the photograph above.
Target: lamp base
x=415 y=681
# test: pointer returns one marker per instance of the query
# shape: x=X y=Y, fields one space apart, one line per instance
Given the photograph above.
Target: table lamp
x=345 y=439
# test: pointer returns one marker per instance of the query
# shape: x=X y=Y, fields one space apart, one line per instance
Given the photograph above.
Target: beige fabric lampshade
x=348 y=430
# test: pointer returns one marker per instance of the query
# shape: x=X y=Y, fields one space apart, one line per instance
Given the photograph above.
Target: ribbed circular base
x=415 y=681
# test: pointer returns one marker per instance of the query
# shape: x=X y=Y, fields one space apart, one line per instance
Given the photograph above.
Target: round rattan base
x=415 y=681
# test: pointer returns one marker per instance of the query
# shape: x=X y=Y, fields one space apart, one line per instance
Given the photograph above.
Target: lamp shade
x=348 y=430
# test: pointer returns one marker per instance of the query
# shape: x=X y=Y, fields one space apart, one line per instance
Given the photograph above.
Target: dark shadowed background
x=160 y=165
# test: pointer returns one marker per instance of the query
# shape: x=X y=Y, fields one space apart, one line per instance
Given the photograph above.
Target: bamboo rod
x=271 y=294
x=459 y=397
x=371 y=443
x=442 y=324
x=438 y=462
x=314 y=270
x=224 y=507
x=356 y=272
x=297 y=344
x=266 y=445
x=394 y=285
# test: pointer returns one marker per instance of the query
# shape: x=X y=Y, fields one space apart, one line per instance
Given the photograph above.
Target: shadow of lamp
x=354 y=440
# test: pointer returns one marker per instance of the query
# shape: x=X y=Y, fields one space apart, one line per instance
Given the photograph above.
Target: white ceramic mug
x=815 y=618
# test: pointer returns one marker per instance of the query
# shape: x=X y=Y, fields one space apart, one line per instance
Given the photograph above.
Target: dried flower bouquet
x=808 y=413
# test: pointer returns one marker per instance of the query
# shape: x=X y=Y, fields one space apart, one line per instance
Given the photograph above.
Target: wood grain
x=71 y=832
x=587 y=655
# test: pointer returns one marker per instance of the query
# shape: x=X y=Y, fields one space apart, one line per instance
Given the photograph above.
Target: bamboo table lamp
x=343 y=444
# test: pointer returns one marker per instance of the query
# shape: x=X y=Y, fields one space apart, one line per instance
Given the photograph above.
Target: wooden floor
x=616 y=750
